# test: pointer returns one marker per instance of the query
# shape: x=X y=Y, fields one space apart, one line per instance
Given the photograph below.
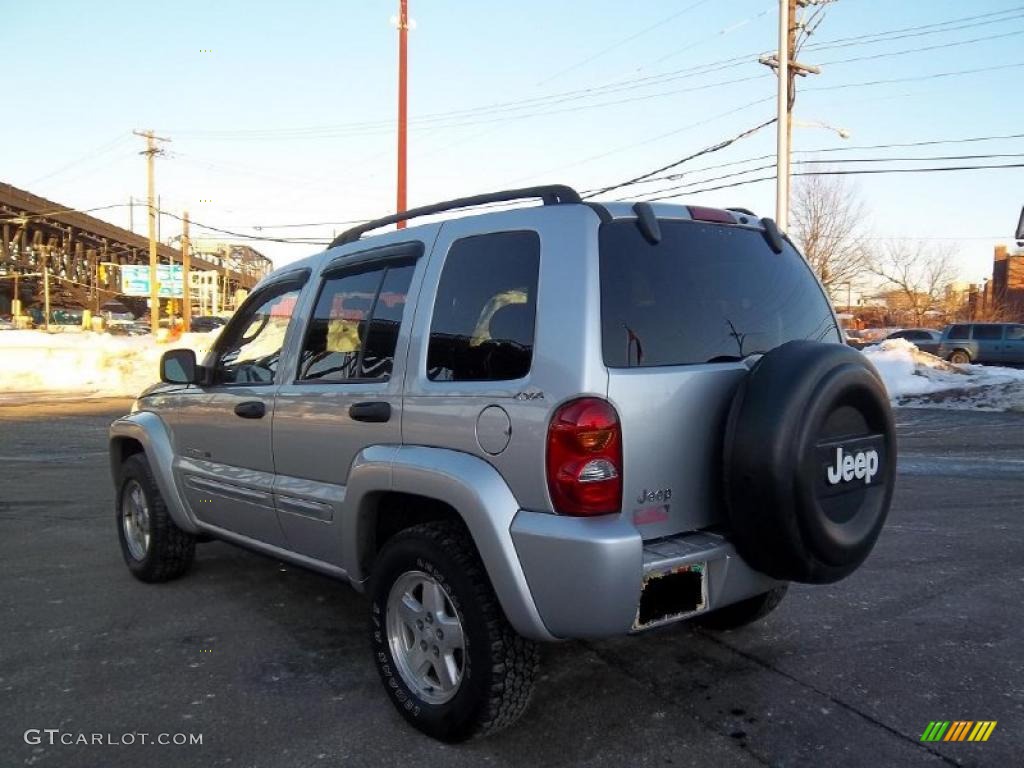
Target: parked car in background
x=6 y=324
x=875 y=335
x=206 y=323
x=925 y=339
x=991 y=343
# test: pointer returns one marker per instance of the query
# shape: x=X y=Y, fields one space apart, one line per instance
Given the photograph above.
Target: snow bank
x=84 y=364
x=915 y=378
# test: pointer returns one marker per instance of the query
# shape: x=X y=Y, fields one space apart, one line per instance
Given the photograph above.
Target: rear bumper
x=587 y=577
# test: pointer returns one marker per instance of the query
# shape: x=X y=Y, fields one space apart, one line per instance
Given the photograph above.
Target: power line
x=91 y=155
x=916 y=31
x=245 y=236
x=932 y=76
x=907 y=51
x=707 y=150
x=57 y=211
x=848 y=160
x=351 y=222
x=382 y=126
x=623 y=41
x=704 y=39
x=839 y=173
x=894 y=145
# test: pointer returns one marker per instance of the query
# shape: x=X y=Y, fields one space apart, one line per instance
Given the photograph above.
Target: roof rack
x=551 y=194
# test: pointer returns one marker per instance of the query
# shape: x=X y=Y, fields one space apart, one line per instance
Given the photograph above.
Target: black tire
x=745 y=611
x=499 y=665
x=797 y=510
x=960 y=357
x=171 y=550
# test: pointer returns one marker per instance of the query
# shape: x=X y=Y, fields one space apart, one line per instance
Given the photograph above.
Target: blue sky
x=289 y=117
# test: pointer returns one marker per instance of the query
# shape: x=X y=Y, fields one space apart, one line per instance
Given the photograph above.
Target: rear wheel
x=745 y=611
x=450 y=662
x=154 y=548
x=960 y=357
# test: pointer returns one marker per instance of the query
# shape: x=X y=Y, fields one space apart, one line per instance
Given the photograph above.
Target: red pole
x=403 y=82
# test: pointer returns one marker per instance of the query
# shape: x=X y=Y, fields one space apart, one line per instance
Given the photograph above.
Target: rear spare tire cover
x=810 y=459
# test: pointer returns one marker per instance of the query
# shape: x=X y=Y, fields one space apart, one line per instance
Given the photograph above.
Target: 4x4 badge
x=538 y=395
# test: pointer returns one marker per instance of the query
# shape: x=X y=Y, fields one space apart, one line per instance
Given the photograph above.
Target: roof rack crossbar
x=550 y=194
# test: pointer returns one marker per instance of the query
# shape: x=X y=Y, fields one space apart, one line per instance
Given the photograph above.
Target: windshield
x=705 y=293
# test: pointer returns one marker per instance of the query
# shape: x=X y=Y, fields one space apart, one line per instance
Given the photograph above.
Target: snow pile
x=84 y=364
x=915 y=378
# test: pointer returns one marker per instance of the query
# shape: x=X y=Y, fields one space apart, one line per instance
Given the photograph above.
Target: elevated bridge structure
x=77 y=249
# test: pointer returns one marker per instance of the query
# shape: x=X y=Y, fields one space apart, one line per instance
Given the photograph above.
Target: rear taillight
x=584 y=458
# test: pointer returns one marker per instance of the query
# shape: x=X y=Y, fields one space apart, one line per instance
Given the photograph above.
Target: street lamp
x=841 y=132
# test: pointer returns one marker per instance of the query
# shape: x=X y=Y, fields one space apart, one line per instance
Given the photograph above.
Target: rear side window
x=486 y=306
x=705 y=293
x=959 y=332
x=354 y=329
x=988 y=332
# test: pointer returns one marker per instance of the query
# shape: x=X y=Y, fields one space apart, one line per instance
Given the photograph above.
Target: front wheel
x=960 y=357
x=154 y=548
x=450 y=662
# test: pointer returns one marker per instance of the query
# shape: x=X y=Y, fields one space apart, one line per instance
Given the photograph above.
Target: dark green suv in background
x=991 y=343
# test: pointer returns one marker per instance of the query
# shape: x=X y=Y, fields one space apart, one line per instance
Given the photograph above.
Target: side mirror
x=178 y=366
x=1020 y=228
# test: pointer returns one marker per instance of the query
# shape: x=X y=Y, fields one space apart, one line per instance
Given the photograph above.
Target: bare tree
x=917 y=272
x=827 y=219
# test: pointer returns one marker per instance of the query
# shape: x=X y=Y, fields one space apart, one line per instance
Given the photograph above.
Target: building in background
x=1005 y=292
x=219 y=290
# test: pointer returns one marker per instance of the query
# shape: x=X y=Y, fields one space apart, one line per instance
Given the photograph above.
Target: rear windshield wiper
x=733 y=358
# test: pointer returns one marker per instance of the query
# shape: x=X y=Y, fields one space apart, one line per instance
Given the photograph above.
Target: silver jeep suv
x=570 y=420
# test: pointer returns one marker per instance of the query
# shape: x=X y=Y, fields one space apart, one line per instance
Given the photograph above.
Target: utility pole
x=787 y=69
x=186 y=269
x=46 y=292
x=782 y=124
x=131 y=214
x=403 y=84
x=151 y=152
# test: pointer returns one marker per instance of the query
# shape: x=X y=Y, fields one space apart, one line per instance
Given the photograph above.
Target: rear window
x=485 y=311
x=705 y=293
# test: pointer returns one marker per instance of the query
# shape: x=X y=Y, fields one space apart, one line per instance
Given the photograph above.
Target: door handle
x=251 y=409
x=374 y=412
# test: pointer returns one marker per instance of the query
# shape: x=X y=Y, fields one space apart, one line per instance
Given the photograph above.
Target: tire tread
x=171 y=550
x=514 y=658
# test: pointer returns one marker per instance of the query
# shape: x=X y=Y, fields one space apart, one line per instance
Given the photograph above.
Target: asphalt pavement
x=270 y=665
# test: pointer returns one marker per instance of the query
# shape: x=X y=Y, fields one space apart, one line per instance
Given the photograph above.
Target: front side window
x=253 y=341
x=988 y=332
x=486 y=306
x=354 y=329
x=705 y=293
x=958 y=332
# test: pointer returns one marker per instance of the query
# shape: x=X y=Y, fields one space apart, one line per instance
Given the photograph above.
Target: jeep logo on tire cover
x=862 y=465
x=849 y=465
